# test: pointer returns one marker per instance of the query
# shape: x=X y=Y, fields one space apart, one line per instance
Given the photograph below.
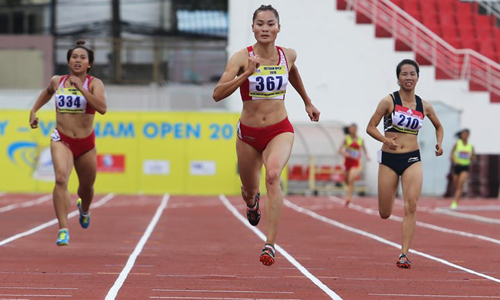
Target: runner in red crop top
x=77 y=97
x=403 y=114
x=265 y=136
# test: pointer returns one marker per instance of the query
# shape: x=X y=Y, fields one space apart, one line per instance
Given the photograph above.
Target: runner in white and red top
x=77 y=97
x=265 y=135
x=403 y=114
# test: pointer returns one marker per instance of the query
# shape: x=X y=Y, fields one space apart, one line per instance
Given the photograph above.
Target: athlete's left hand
x=76 y=82
x=439 y=150
x=313 y=113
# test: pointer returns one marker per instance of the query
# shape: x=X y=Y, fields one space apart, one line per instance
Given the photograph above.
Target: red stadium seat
x=449 y=31
x=482 y=21
x=486 y=45
x=428 y=6
x=297 y=173
x=398 y=3
x=410 y=5
x=484 y=33
x=466 y=32
x=415 y=13
x=446 y=6
x=429 y=19
x=470 y=44
x=446 y=19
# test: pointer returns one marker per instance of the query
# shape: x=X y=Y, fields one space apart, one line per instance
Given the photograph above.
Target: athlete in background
x=77 y=97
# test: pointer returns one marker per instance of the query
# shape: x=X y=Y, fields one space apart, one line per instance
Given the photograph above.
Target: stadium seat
x=466 y=32
x=482 y=21
x=484 y=33
x=445 y=19
x=446 y=6
x=410 y=5
x=297 y=173
x=341 y=4
x=449 y=31
x=324 y=173
x=470 y=44
x=428 y=6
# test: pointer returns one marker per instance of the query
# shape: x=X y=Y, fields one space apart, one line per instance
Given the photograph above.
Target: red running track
x=178 y=247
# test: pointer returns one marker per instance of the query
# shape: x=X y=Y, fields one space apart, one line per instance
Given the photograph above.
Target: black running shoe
x=253 y=213
x=267 y=255
x=403 y=262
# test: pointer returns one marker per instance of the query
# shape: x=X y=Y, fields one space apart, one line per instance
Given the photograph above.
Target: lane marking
x=373 y=212
x=113 y=292
x=25 y=204
x=382 y=240
x=34 y=288
x=457 y=214
x=215 y=298
x=220 y=291
x=437 y=296
x=283 y=252
x=14 y=295
x=54 y=221
x=2 y=194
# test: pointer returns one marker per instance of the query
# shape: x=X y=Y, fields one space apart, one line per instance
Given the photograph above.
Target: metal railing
x=455 y=63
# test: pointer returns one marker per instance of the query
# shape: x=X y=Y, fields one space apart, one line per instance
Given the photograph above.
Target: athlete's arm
x=298 y=85
x=229 y=81
x=453 y=152
x=342 y=147
x=429 y=111
x=96 y=98
x=383 y=108
x=44 y=97
x=473 y=158
x=366 y=152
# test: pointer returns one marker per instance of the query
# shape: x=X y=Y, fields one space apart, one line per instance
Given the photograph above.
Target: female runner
x=265 y=136
x=403 y=114
x=77 y=97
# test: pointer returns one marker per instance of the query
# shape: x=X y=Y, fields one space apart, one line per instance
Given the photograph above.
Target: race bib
x=70 y=100
x=407 y=120
x=269 y=82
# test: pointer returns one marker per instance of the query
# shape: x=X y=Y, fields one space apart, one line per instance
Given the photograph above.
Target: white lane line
x=478 y=208
x=54 y=296
x=220 y=291
x=457 y=214
x=2 y=194
x=34 y=288
x=453 y=213
x=54 y=221
x=25 y=204
x=283 y=252
x=382 y=240
x=113 y=292
x=437 y=296
x=214 y=298
x=421 y=224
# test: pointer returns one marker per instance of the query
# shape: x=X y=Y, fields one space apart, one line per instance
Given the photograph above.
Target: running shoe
x=84 y=218
x=63 y=237
x=403 y=261
x=253 y=213
x=454 y=205
x=267 y=255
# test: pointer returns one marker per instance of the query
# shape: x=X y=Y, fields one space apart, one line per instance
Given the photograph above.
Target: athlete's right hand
x=253 y=64
x=390 y=142
x=33 y=120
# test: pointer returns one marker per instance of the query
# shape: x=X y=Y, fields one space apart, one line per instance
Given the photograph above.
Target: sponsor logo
x=111 y=163
x=413 y=159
